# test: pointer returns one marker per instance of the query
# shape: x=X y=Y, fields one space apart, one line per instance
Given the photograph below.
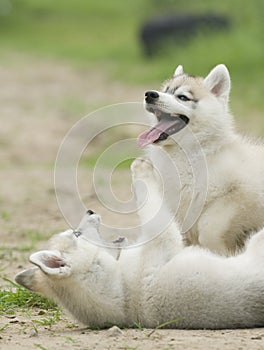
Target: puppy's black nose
x=151 y=96
x=90 y=212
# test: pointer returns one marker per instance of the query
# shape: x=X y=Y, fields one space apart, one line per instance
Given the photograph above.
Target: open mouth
x=168 y=124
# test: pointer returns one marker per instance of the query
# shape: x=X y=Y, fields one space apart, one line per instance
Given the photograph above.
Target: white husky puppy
x=213 y=178
x=154 y=283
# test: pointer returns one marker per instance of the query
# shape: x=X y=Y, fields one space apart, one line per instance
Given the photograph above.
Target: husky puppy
x=160 y=281
x=213 y=178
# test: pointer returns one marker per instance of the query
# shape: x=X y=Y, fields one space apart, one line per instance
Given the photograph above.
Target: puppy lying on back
x=153 y=283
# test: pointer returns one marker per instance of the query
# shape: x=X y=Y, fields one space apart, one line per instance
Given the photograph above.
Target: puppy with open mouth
x=195 y=109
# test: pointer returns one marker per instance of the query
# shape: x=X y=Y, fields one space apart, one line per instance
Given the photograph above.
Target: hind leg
x=154 y=215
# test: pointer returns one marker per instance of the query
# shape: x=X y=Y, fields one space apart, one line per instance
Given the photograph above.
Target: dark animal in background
x=177 y=29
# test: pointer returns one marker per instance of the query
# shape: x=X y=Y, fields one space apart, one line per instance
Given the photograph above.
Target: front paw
x=141 y=168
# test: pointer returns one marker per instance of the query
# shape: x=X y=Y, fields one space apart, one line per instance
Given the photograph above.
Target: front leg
x=154 y=214
x=147 y=189
x=218 y=230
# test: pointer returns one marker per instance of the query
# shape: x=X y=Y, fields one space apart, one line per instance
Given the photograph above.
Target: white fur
x=234 y=167
x=154 y=283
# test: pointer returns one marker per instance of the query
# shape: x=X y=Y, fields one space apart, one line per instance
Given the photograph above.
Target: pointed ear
x=218 y=82
x=178 y=71
x=51 y=263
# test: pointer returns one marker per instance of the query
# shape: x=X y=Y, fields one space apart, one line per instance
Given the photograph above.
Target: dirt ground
x=39 y=103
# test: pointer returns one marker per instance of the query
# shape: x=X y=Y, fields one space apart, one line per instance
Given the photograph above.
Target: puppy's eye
x=183 y=98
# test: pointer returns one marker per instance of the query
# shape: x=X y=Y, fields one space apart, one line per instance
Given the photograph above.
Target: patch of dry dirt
x=39 y=102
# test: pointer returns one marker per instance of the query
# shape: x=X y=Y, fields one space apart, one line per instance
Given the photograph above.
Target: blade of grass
x=168 y=323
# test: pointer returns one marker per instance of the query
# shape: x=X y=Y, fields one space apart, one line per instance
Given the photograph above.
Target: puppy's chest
x=179 y=191
x=185 y=189
x=186 y=180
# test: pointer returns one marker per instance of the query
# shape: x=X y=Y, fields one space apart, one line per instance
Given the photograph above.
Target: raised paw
x=142 y=168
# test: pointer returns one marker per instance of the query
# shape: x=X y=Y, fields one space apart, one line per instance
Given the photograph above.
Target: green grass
x=106 y=33
x=35 y=236
x=91 y=161
x=5 y=215
x=165 y=324
x=103 y=35
x=39 y=346
x=17 y=298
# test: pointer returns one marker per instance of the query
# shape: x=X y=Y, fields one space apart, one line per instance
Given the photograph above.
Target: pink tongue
x=149 y=136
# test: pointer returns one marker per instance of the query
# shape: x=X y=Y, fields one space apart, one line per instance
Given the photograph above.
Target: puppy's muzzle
x=90 y=212
x=151 y=96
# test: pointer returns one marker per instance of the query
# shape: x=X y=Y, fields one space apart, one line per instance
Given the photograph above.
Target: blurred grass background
x=104 y=35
